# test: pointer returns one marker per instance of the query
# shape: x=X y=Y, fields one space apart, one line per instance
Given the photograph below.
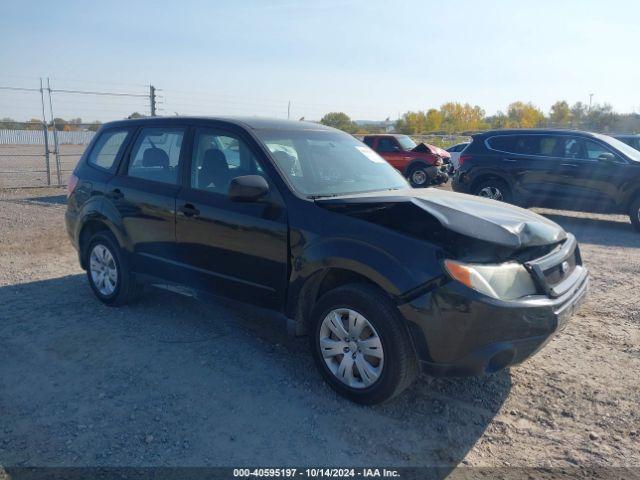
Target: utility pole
x=289 y=110
x=46 y=135
x=152 y=100
x=590 y=99
x=56 y=144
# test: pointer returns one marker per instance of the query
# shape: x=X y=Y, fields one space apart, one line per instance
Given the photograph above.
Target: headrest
x=285 y=160
x=155 y=157
x=213 y=156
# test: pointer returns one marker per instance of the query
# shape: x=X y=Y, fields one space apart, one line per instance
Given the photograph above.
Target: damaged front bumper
x=459 y=332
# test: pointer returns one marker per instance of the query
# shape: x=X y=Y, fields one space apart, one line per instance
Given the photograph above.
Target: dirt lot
x=173 y=381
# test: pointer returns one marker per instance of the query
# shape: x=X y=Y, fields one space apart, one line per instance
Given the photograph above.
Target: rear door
x=144 y=194
x=534 y=164
x=238 y=250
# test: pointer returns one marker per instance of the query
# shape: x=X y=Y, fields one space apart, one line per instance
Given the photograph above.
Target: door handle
x=509 y=160
x=569 y=165
x=188 y=210
x=115 y=194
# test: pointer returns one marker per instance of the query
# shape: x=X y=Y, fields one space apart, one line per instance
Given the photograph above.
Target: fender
x=419 y=161
x=352 y=255
x=100 y=209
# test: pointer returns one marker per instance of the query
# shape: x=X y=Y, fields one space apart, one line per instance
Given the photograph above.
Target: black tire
x=420 y=173
x=496 y=185
x=400 y=361
x=126 y=288
x=634 y=213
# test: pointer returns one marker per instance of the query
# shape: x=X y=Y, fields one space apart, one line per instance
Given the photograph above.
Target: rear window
x=105 y=151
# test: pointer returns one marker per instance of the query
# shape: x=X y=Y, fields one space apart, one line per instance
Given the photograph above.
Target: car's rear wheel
x=634 y=213
x=419 y=177
x=108 y=272
x=494 y=189
x=361 y=345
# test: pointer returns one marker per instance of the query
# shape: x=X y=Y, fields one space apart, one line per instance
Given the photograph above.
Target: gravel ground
x=173 y=381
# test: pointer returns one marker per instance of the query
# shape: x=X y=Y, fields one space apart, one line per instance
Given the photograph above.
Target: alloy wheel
x=419 y=177
x=103 y=269
x=351 y=348
x=493 y=193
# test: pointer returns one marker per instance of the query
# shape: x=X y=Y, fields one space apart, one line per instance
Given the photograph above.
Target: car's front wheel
x=634 y=213
x=361 y=345
x=108 y=271
x=419 y=176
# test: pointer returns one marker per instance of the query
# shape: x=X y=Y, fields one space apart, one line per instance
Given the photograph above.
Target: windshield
x=320 y=163
x=406 y=143
x=630 y=152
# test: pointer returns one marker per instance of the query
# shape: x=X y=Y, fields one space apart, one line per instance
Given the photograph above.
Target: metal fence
x=44 y=150
x=37 y=155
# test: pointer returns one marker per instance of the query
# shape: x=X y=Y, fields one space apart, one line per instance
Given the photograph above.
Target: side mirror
x=248 y=188
x=396 y=148
x=607 y=157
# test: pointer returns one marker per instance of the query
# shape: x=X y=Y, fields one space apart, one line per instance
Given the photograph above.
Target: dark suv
x=564 y=169
x=306 y=220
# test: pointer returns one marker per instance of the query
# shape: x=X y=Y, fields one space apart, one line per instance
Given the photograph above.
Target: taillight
x=464 y=158
x=72 y=183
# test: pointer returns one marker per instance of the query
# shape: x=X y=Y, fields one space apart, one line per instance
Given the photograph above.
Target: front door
x=144 y=194
x=238 y=250
x=391 y=151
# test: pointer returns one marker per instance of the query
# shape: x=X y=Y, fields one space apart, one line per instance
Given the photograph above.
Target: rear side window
x=368 y=141
x=105 y=151
x=156 y=154
x=504 y=143
x=538 y=145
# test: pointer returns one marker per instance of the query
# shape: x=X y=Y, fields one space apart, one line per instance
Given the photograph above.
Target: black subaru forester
x=307 y=220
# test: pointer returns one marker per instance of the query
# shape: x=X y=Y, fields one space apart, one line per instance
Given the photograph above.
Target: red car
x=423 y=164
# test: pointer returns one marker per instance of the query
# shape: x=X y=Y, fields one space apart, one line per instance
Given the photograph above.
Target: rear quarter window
x=105 y=151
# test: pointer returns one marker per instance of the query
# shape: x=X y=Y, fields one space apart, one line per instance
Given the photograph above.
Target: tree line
x=59 y=124
x=455 y=117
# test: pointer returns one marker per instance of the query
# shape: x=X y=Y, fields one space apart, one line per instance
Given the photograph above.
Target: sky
x=371 y=59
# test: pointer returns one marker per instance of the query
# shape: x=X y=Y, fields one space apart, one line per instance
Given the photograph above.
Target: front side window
x=156 y=154
x=406 y=143
x=218 y=158
x=105 y=151
x=593 y=150
x=320 y=163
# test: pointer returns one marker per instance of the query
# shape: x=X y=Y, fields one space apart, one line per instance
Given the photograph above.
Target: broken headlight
x=504 y=281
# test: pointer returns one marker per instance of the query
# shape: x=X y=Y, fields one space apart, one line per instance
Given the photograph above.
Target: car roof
x=534 y=131
x=254 y=123
x=395 y=135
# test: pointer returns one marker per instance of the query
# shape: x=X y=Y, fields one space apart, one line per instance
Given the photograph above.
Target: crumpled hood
x=489 y=220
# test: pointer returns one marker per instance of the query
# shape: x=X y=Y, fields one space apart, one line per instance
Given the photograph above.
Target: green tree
x=601 y=118
x=94 y=126
x=412 y=123
x=136 y=115
x=524 y=115
x=578 y=114
x=458 y=117
x=560 y=114
x=34 y=124
x=339 y=120
x=433 y=120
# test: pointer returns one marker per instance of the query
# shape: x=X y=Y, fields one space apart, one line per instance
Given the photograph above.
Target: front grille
x=554 y=272
x=559 y=272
